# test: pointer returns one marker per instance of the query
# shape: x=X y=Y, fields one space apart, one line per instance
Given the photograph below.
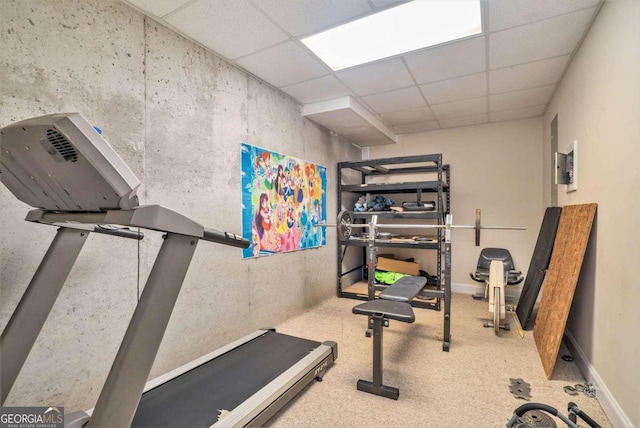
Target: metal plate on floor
x=520 y=389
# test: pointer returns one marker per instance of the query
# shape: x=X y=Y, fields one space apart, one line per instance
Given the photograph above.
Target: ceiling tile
x=470 y=107
x=400 y=99
x=545 y=39
x=464 y=121
x=158 y=8
x=447 y=61
x=404 y=117
x=303 y=17
x=531 y=75
x=456 y=89
x=231 y=29
x=530 y=44
x=517 y=113
x=320 y=89
x=268 y=65
x=525 y=98
x=365 y=136
x=377 y=77
x=410 y=128
x=511 y=13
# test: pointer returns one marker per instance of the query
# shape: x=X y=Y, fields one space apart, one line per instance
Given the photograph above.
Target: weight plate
x=343 y=225
x=520 y=389
x=478 y=227
x=536 y=419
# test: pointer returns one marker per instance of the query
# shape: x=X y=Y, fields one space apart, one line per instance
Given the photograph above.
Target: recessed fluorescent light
x=414 y=25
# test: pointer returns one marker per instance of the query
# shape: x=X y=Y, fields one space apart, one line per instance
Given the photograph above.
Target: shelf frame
x=367 y=171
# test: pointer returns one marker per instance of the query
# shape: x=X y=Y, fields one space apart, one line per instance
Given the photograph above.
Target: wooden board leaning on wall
x=561 y=280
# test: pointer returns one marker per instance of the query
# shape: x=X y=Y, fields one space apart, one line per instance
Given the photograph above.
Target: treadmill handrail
x=152 y=217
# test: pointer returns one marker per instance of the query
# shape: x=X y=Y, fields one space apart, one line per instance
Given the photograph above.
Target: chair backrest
x=501 y=254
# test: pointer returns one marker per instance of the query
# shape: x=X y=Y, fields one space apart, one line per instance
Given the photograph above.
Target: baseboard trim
x=614 y=412
x=513 y=292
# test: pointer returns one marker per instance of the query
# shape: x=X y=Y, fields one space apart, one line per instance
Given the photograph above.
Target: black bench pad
x=399 y=311
x=404 y=289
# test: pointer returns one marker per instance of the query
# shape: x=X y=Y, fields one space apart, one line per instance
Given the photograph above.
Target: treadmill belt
x=195 y=398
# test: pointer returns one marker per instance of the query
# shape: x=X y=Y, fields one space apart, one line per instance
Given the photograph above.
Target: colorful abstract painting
x=282 y=199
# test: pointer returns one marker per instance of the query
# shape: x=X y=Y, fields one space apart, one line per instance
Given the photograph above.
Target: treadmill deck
x=195 y=398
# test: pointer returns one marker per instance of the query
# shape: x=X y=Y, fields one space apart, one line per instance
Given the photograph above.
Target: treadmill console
x=59 y=162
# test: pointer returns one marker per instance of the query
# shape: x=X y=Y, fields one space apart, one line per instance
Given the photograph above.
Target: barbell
x=345 y=225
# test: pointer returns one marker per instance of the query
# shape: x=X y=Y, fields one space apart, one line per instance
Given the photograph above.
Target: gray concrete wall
x=176 y=114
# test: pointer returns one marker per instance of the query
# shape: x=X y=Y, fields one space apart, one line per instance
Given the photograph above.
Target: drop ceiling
x=508 y=72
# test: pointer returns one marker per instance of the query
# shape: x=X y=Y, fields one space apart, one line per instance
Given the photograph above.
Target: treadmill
x=60 y=165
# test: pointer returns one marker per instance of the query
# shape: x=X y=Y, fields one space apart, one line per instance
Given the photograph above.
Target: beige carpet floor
x=465 y=387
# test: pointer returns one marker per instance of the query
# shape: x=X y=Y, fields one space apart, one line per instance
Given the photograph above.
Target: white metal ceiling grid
x=508 y=72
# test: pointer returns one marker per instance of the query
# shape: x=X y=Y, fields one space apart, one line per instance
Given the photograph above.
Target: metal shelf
x=417 y=215
x=432 y=178
x=393 y=176
x=408 y=187
x=418 y=245
x=388 y=166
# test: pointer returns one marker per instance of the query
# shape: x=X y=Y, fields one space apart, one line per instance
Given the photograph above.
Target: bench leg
x=376 y=386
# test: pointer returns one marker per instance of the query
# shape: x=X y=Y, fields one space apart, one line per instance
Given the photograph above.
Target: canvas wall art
x=282 y=199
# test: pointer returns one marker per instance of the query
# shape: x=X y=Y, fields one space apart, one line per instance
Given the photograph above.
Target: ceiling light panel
x=405 y=28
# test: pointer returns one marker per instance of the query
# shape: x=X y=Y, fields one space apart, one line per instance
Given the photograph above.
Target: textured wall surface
x=176 y=114
x=598 y=104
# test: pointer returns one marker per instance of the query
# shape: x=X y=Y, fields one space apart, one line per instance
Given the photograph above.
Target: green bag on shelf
x=388 y=277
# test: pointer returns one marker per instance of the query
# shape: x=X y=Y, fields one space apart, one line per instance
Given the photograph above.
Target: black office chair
x=512 y=276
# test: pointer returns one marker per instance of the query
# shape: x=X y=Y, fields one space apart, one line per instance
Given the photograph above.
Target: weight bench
x=393 y=304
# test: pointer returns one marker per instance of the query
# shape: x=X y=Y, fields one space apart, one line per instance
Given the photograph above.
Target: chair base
x=503 y=325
